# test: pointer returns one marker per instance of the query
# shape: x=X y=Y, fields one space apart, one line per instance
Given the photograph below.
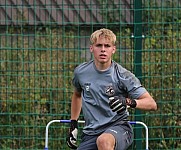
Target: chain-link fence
x=43 y=41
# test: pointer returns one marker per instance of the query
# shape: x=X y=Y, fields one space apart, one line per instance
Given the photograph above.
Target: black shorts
x=123 y=137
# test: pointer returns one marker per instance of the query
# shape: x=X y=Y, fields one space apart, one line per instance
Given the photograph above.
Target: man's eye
x=98 y=45
x=107 y=45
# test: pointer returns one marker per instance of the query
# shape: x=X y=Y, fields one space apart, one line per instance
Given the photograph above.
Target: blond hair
x=106 y=33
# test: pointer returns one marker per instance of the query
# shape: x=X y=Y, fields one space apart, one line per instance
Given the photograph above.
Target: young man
x=103 y=90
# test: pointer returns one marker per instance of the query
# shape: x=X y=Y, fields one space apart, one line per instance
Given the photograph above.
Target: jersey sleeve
x=133 y=85
x=75 y=81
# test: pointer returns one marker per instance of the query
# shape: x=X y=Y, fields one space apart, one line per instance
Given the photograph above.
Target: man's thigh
x=88 y=142
x=123 y=137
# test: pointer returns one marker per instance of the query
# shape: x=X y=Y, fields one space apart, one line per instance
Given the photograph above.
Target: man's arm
x=146 y=102
x=76 y=105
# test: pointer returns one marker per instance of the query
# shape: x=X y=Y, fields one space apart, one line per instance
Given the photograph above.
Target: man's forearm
x=146 y=102
x=76 y=105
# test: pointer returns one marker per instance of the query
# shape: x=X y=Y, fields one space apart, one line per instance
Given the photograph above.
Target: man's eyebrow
x=107 y=44
x=103 y=44
x=98 y=44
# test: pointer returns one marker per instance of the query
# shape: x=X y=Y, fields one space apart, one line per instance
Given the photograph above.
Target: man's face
x=103 y=50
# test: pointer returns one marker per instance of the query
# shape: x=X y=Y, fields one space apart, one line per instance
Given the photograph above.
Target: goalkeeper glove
x=72 y=136
x=117 y=103
x=131 y=102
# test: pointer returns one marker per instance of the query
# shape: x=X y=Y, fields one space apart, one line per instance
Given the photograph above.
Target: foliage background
x=36 y=68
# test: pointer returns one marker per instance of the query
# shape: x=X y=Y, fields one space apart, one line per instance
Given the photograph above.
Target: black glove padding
x=72 y=136
x=117 y=104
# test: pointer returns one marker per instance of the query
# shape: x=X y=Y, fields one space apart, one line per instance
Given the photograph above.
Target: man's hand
x=72 y=136
x=131 y=102
x=117 y=104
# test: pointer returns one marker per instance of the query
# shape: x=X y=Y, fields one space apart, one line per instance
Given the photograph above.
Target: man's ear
x=91 y=48
x=114 y=50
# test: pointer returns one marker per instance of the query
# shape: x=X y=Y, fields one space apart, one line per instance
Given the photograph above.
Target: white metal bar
x=46 y=134
x=146 y=130
x=82 y=121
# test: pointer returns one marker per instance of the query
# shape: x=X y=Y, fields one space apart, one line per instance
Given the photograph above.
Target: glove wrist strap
x=74 y=124
x=131 y=102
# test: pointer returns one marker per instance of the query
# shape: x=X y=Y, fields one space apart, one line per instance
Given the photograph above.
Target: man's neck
x=102 y=66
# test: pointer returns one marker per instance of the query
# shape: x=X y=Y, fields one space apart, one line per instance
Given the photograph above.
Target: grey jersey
x=96 y=88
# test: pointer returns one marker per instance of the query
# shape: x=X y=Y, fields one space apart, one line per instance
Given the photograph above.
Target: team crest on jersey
x=110 y=91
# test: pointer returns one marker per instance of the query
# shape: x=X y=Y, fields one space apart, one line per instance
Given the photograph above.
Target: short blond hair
x=106 y=33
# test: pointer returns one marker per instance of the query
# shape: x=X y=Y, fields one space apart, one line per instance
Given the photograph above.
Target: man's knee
x=105 y=141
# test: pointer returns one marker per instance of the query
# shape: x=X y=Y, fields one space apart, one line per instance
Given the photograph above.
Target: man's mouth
x=102 y=56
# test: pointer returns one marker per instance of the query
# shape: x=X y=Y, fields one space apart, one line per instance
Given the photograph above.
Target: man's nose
x=103 y=49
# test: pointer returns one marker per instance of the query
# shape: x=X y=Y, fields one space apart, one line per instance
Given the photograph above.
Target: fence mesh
x=43 y=41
